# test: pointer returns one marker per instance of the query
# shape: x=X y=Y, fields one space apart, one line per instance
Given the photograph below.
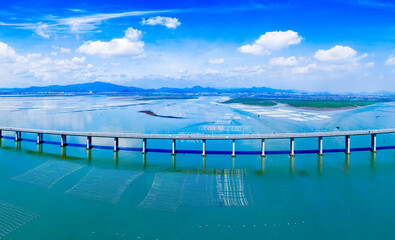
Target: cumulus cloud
x=284 y=62
x=35 y=66
x=305 y=69
x=390 y=61
x=130 y=45
x=6 y=51
x=336 y=54
x=169 y=22
x=271 y=41
x=216 y=61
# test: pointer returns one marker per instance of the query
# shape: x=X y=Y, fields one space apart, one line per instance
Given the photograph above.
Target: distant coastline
x=309 y=104
x=262 y=96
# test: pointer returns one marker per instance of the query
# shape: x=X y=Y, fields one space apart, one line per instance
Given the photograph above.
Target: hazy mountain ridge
x=110 y=88
x=102 y=87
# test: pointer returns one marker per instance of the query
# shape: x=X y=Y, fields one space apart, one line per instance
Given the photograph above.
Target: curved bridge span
x=174 y=137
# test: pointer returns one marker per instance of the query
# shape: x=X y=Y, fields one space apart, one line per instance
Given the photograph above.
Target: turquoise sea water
x=51 y=193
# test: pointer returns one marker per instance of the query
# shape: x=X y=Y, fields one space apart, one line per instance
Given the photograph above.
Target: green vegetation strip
x=304 y=102
x=252 y=101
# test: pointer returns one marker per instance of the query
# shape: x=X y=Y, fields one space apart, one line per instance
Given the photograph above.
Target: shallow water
x=51 y=193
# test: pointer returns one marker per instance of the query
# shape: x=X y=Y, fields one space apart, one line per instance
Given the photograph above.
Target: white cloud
x=6 y=51
x=76 y=24
x=65 y=50
x=369 y=64
x=35 y=67
x=33 y=55
x=78 y=60
x=130 y=45
x=249 y=69
x=271 y=41
x=90 y=22
x=210 y=71
x=183 y=70
x=42 y=30
x=306 y=69
x=336 y=54
x=216 y=61
x=281 y=61
x=169 y=22
x=390 y=61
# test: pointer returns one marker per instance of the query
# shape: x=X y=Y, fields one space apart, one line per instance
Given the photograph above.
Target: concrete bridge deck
x=203 y=138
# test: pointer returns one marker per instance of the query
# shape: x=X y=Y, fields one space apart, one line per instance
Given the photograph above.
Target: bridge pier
x=116 y=144
x=373 y=143
x=233 y=148
x=204 y=148
x=89 y=143
x=173 y=148
x=263 y=148
x=348 y=145
x=63 y=141
x=18 y=136
x=292 y=147
x=320 y=146
x=144 y=151
x=40 y=138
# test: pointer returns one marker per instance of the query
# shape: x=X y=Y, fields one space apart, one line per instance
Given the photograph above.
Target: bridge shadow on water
x=142 y=161
x=166 y=182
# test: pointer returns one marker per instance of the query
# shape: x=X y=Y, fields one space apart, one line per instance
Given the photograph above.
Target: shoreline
x=313 y=108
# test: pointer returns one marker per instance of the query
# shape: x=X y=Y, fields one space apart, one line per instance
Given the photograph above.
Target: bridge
x=233 y=137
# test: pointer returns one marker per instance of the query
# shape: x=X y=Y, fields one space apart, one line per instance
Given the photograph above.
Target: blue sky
x=336 y=46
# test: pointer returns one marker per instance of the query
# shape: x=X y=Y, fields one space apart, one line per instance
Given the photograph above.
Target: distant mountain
x=109 y=88
x=95 y=87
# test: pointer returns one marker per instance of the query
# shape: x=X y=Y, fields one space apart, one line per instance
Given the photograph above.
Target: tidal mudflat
x=98 y=194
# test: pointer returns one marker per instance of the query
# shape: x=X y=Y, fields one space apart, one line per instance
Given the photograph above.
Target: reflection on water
x=373 y=160
x=18 y=146
x=235 y=194
x=320 y=167
x=13 y=218
x=105 y=185
x=347 y=163
x=291 y=164
x=49 y=173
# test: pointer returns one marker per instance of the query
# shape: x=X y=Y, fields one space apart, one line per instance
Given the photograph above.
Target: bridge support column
x=63 y=141
x=40 y=138
x=144 y=151
x=116 y=144
x=204 y=148
x=320 y=146
x=89 y=142
x=348 y=145
x=263 y=148
x=292 y=148
x=373 y=148
x=233 y=148
x=173 y=147
x=18 y=136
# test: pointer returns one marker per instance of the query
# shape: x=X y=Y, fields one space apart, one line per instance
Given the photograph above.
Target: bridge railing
x=233 y=137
